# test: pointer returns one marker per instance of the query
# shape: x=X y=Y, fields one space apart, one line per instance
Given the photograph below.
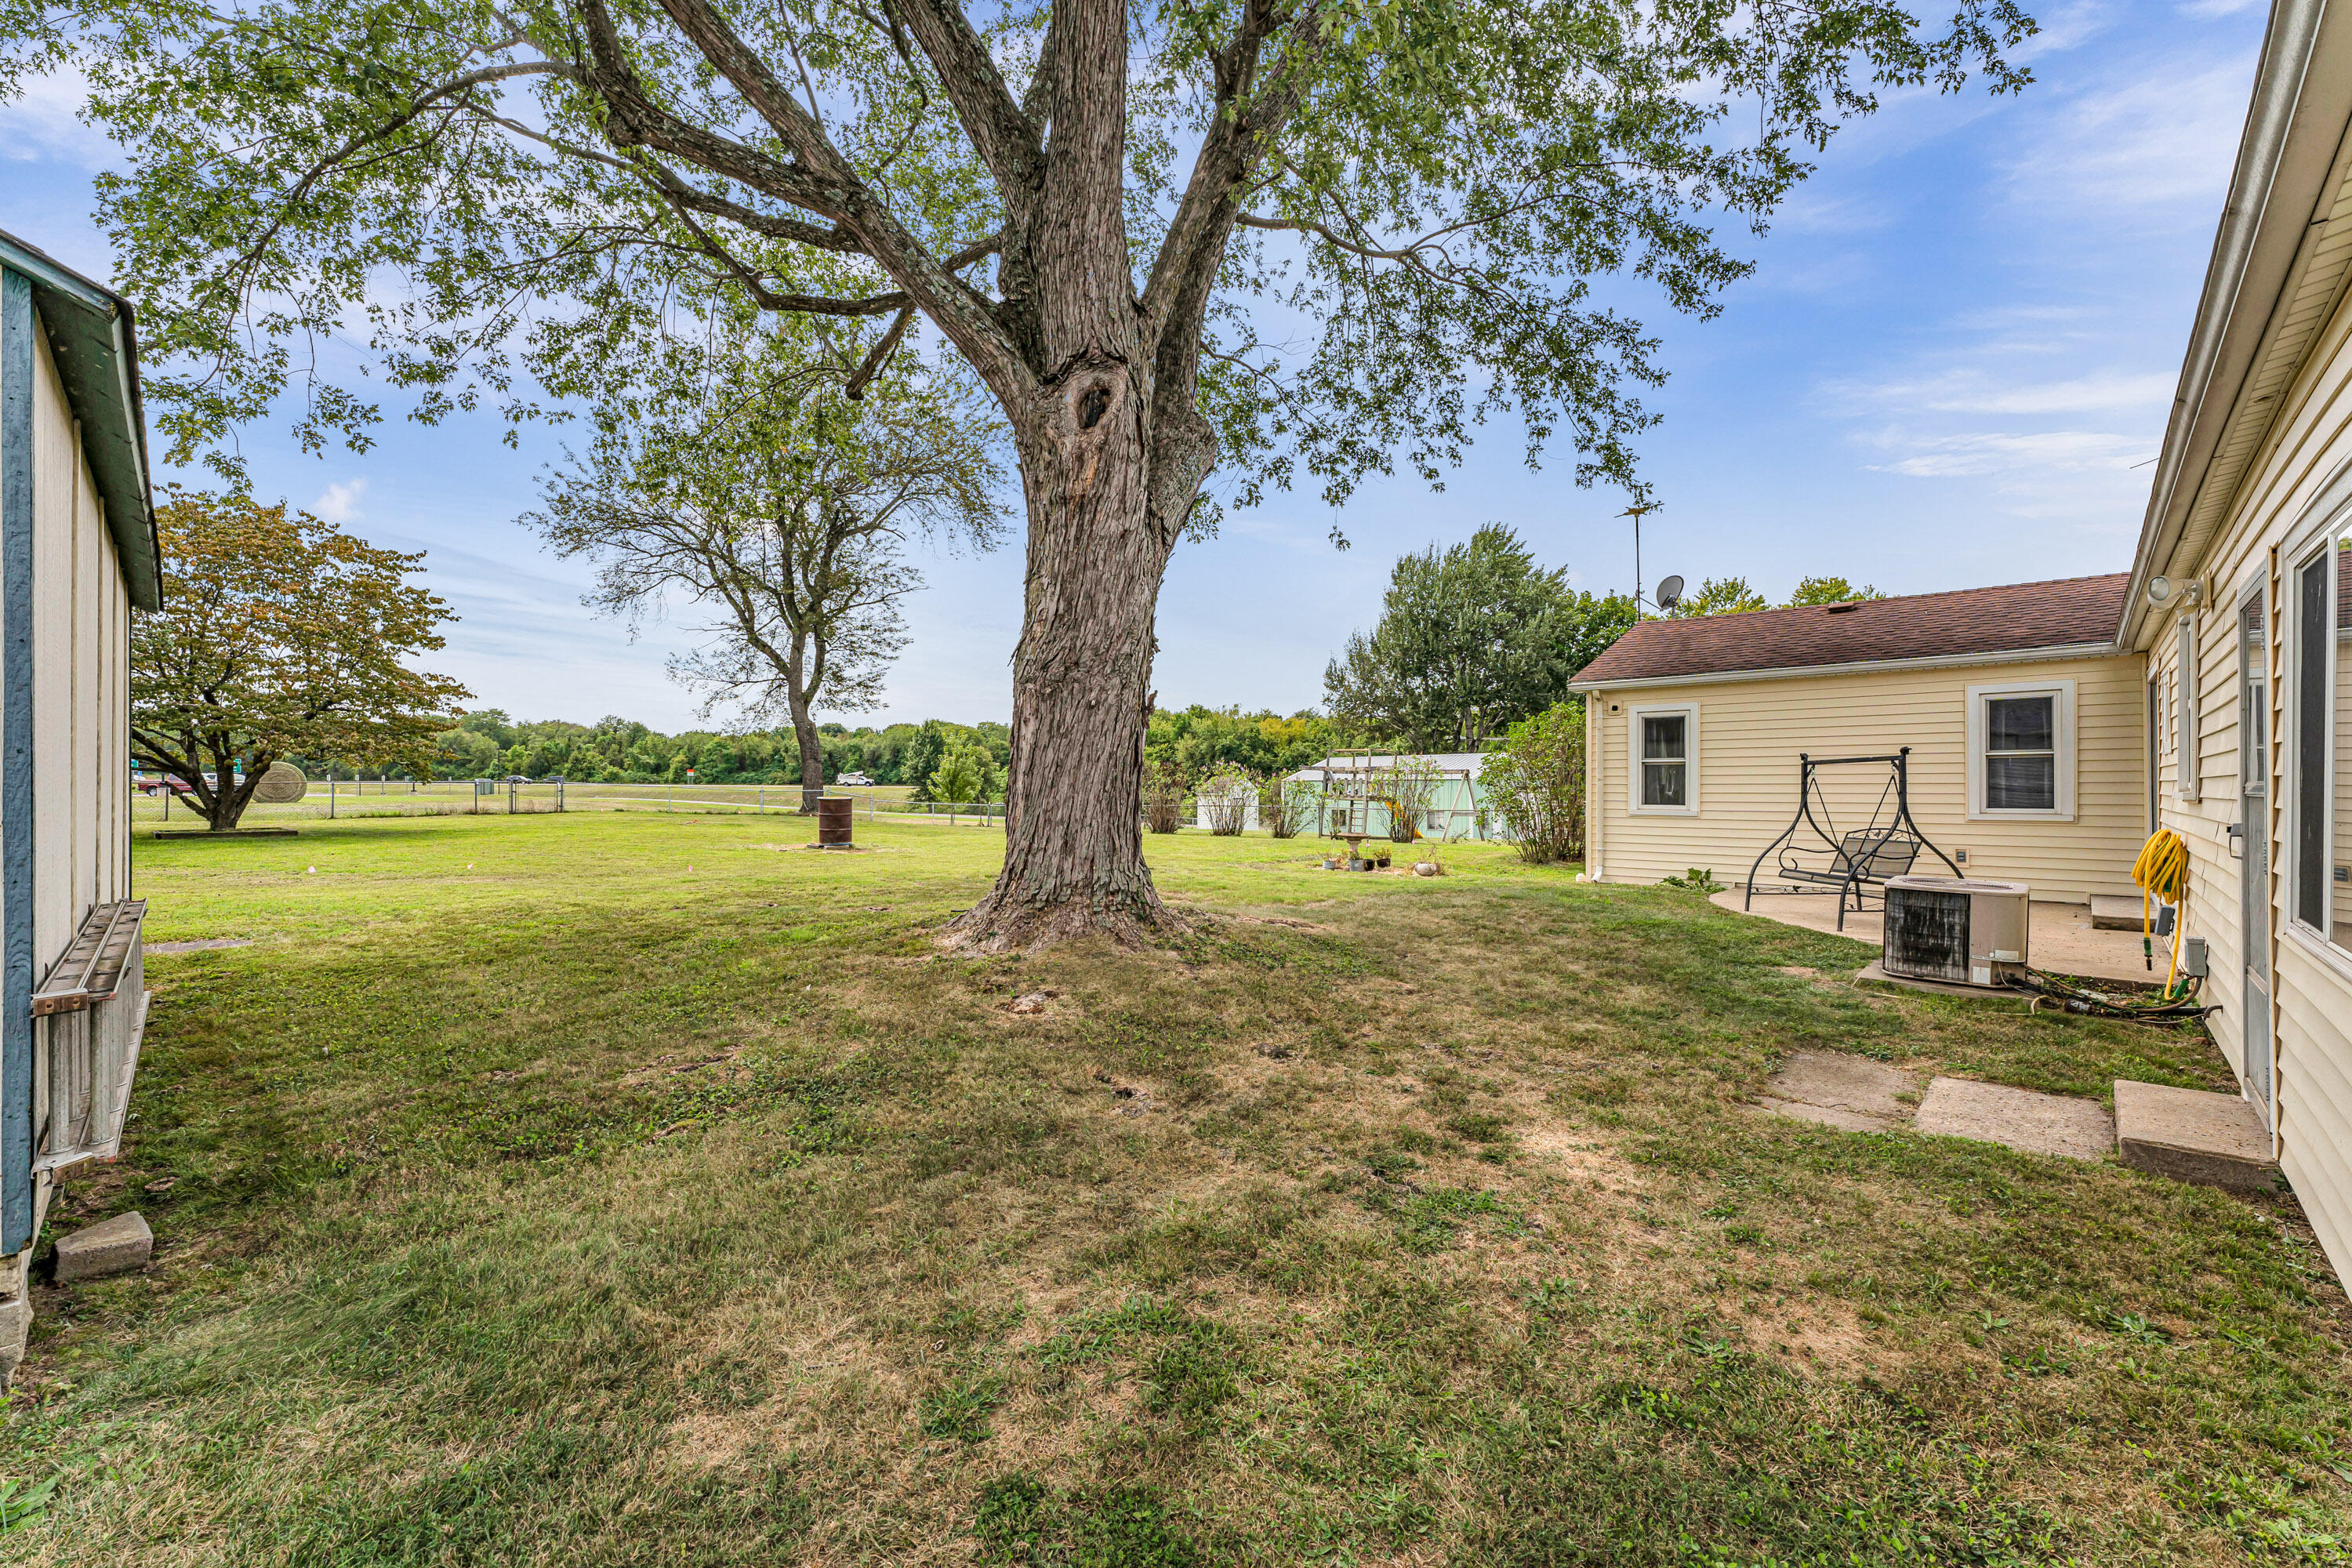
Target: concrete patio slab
x=2190 y=1135
x=2018 y=1118
x=2062 y=937
x=1874 y=973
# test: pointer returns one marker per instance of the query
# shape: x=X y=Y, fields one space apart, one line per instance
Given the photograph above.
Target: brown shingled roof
x=2069 y=611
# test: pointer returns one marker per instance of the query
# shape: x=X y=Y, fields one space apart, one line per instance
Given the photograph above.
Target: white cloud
x=338 y=504
x=2167 y=136
x=2206 y=10
x=43 y=121
x=1976 y=391
x=2013 y=456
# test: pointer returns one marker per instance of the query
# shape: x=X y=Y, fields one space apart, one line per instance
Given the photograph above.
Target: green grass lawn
x=646 y=1189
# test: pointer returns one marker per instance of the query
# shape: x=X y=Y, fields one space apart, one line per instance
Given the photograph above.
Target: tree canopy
x=734 y=469
x=1719 y=596
x=1472 y=638
x=1830 y=591
x=280 y=636
x=1421 y=196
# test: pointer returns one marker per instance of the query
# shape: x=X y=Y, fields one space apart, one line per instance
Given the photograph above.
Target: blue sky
x=1950 y=368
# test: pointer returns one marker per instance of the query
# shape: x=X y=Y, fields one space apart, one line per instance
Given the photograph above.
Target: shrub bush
x=1536 y=783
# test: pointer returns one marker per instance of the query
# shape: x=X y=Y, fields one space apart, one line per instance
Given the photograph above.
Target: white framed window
x=2319 y=814
x=2022 y=750
x=2188 y=782
x=1663 y=747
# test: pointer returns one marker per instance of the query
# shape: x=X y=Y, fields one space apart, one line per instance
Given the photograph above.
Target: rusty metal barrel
x=833 y=820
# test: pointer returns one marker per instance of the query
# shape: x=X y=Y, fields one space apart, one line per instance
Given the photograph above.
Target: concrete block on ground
x=1835 y=1081
x=119 y=1245
x=2017 y=1119
x=15 y=1328
x=2190 y=1135
x=2110 y=911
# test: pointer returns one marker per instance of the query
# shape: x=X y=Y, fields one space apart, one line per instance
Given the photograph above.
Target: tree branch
x=1001 y=133
x=856 y=388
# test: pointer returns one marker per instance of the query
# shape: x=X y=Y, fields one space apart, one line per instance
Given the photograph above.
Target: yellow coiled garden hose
x=2162 y=873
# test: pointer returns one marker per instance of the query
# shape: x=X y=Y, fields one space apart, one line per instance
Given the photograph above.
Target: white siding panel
x=1750 y=733
x=2313 y=1020
x=80 y=692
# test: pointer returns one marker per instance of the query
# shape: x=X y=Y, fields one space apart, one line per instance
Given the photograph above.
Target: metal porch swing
x=1847 y=863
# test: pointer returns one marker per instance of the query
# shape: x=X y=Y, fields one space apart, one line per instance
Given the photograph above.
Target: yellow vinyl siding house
x=1746 y=695
x=2241 y=604
x=78 y=556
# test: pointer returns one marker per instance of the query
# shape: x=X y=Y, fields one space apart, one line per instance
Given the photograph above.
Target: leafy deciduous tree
x=279 y=635
x=1429 y=189
x=732 y=468
x=1830 y=591
x=1720 y=596
x=1471 y=639
x=1535 y=783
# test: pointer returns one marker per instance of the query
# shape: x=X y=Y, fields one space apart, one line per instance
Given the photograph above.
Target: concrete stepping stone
x=1835 y=1089
x=119 y=1245
x=2017 y=1119
x=2190 y=1135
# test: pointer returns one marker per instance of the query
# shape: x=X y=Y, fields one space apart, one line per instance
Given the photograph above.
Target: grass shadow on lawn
x=578 y=1208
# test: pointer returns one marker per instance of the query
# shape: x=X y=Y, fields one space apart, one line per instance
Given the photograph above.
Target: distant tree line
x=1196 y=741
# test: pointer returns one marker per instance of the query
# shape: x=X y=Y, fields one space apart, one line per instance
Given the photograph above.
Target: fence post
x=330 y=791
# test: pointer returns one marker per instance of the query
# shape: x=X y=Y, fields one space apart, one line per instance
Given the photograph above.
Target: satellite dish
x=1670 y=593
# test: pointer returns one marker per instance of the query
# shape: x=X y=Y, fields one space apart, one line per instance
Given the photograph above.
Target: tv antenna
x=1635 y=513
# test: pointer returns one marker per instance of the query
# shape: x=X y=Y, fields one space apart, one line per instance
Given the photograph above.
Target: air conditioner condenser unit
x=1956 y=930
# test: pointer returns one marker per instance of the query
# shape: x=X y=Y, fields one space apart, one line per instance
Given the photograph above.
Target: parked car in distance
x=149 y=786
x=854 y=781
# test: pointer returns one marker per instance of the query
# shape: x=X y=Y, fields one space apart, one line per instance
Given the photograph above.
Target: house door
x=2253 y=835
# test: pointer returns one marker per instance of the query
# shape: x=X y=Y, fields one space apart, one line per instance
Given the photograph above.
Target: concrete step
x=2109 y=913
x=2211 y=1140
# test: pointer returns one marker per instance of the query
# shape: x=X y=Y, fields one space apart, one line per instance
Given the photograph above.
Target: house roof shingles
x=2068 y=612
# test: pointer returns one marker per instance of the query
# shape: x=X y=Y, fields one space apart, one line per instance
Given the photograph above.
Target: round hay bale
x=283 y=784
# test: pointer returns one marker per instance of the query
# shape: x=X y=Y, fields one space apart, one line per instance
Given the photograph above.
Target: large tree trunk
x=811 y=746
x=1081 y=677
x=225 y=809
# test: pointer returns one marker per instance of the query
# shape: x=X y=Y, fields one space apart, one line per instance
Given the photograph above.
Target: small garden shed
x=77 y=557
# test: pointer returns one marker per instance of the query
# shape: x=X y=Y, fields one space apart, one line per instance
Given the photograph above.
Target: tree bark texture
x=1081 y=677
x=812 y=743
